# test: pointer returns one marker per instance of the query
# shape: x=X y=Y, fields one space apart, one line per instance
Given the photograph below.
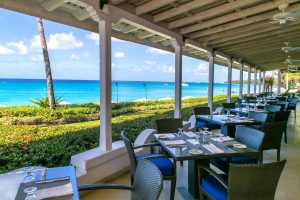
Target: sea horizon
x=17 y=92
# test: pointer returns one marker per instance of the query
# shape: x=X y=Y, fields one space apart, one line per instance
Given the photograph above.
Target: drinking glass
x=206 y=136
x=29 y=175
x=180 y=132
x=30 y=193
x=220 y=138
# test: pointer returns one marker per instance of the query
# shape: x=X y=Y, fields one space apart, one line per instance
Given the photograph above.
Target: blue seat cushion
x=214 y=188
x=223 y=163
x=164 y=164
x=210 y=125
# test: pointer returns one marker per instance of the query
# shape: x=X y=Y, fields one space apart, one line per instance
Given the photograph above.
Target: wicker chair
x=246 y=182
x=293 y=105
x=282 y=116
x=200 y=124
x=253 y=138
x=167 y=168
x=147 y=183
x=258 y=116
x=273 y=134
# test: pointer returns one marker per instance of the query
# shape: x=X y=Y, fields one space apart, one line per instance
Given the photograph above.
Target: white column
x=254 y=82
x=105 y=85
x=178 y=79
x=241 y=81
x=279 y=81
x=259 y=81
x=264 y=81
x=229 y=63
x=249 y=82
x=211 y=79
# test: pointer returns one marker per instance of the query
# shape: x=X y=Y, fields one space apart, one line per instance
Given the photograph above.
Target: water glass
x=29 y=175
x=180 y=132
x=30 y=193
x=206 y=137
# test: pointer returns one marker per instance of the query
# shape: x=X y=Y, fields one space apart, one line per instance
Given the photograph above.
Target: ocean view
x=15 y=92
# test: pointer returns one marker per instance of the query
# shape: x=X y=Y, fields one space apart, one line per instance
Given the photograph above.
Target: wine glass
x=220 y=138
x=180 y=132
x=29 y=175
x=30 y=193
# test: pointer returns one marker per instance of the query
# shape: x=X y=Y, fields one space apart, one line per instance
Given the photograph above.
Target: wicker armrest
x=157 y=156
x=86 y=187
x=215 y=175
x=146 y=145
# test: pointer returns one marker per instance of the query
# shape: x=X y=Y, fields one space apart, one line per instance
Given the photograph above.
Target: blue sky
x=74 y=54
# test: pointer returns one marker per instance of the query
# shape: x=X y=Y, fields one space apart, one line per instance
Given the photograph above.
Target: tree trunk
x=47 y=64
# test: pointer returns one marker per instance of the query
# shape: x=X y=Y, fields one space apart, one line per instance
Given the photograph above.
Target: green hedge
x=50 y=146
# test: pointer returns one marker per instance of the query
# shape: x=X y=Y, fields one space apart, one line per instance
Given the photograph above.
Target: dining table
x=57 y=183
x=228 y=122
x=191 y=146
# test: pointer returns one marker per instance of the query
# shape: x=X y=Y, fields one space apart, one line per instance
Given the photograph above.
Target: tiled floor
x=288 y=188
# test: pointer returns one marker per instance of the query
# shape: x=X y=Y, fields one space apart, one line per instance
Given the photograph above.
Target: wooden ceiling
x=237 y=28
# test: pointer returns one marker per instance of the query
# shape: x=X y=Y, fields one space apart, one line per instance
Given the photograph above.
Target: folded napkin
x=54 y=191
x=174 y=142
x=225 y=139
x=9 y=185
x=190 y=134
x=212 y=148
x=165 y=135
x=193 y=142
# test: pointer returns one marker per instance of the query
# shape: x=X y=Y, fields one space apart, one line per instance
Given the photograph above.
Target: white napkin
x=225 y=139
x=166 y=135
x=54 y=191
x=9 y=185
x=174 y=142
x=190 y=134
x=212 y=148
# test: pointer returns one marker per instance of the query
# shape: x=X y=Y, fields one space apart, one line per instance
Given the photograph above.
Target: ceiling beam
x=224 y=8
x=115 y=2
x=234 y=16
x=152 y=5
x=181 y=9
x=242 y=22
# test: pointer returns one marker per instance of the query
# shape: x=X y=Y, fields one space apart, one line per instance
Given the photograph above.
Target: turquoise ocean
x=15 y=92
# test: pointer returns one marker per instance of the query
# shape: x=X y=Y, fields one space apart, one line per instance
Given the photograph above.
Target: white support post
x=211 y=79
x=264 y=81
x=249 y=82
x=178 y=79
x=105 y=85
x=279 y=82
x=241 y=81
x=254 y=82
x=259 y=81
x=229 y=63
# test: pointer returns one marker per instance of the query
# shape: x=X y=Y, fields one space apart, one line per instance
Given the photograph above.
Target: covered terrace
x=236 y=34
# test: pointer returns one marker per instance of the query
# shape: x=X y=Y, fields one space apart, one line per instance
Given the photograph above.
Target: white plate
x=195 y=151
x=239 y=146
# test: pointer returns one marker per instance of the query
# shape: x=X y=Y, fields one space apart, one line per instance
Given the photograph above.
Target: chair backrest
x=254 y=181
x=228 y=105
x=168 y=125
x=251 y=137
x=272 y=108
x=202 y=110
x=284 y=105
x=293 y=102
x=131 y=154
x=281 y=116
x=218 y=111
x=148 y=181
x=258 y=116
x=273 y=134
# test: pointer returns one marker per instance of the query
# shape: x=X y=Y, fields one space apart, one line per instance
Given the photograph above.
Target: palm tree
x=47 y=64
x=269 y=82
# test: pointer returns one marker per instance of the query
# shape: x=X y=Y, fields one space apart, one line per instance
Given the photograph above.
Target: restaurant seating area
x=260 y=170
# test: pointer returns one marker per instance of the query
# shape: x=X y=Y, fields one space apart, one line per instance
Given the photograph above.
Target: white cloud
x=150 y=62
x=202 y=69
x=37 y=58
x=167 y=69
x=5 y=50
x=74 y=57
x=95 y=38
x=119 y=54
x=157 y=51
x=19 y=46
x=58 y=41
x=13 y=48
